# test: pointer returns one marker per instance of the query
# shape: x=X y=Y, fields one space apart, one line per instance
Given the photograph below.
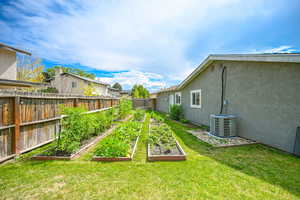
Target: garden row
x=79 y=131
x=118 y=142
x=121 y=145
x=162 y=144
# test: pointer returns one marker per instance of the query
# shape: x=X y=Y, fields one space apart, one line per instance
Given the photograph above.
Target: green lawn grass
x=249 y=172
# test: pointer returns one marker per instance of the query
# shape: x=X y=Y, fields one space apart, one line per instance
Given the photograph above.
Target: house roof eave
x=279 y=57
x=14 y=49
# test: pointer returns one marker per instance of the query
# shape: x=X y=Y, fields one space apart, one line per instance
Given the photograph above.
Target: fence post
x=99 y=103
x=16 y=135
x=76 y=102
x=111 y=103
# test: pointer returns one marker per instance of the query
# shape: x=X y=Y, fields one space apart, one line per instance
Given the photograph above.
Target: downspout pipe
x=223 y=88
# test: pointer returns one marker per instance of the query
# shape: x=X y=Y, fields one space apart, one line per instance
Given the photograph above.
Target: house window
x=74 y=84
x=178 y=98
x=196 y=98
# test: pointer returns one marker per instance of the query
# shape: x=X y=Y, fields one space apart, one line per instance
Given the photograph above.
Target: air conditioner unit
x=223 y=125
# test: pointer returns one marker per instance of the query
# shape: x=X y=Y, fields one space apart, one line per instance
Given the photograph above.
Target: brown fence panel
x=29 y=120
x=6 y=111
x=144 y=103
x=37 y=134
x=6 y=142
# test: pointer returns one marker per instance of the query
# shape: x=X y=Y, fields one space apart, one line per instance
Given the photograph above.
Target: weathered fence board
x=144 y=103
x=28 y=121
x=5 y=142
x=36 y=134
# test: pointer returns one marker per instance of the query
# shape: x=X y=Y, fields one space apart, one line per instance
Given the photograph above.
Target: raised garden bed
x=162 y=145
x=128 y=158
x=85 y=146
x=220 y=142
x=120 y=145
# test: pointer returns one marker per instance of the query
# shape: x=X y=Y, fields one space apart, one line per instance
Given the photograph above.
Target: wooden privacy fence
x=30 y=121
x=144 y=103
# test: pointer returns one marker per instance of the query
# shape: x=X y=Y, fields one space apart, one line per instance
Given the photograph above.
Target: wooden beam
x=16 y=135
x=76 y=102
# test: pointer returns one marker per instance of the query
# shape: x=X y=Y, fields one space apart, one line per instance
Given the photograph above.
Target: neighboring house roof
x=14 y=49
x=20 y=83
x=111 y=88
x=170 y=89
x=268 y=57
x=84 y=78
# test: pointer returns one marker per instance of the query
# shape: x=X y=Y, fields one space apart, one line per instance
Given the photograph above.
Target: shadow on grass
x=266 y=163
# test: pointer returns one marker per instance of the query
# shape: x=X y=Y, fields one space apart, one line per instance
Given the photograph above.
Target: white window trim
x=191 y=98
x=179 y=94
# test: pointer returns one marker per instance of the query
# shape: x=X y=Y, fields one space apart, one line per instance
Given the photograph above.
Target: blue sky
x=154 y=43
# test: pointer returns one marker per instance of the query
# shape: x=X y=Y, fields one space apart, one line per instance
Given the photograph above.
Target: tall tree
x=29 y=69
x=117 y=86
x=138 y=91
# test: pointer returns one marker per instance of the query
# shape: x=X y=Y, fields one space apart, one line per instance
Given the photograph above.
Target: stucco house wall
x=8 y=64
x=63 y=83
x=163 y=101
x=263 y=95
x=113 y=93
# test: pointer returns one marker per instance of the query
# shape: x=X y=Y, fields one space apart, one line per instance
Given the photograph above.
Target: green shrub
x=139 y=115
x=176 y=112
x=125 y=108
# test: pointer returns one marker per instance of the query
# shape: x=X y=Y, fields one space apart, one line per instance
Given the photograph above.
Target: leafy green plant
x=157 y=117
x=112 y=148
x=176 y=112
x=125 y=108
x=78 y=126
x=104 y=120
x=119 y=143
x=139 y=115
x=74 y=128
x=162 y=136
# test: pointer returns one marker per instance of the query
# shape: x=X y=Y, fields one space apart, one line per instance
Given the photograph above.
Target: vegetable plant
x=120 y=142
x=78 y=127
x=161 y=135
x=157 y=117
x=139 y=115
x=125 y=108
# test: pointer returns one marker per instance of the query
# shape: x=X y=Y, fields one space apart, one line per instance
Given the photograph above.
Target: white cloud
x=151 y=81
x=140 y=36
x=280 y=49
